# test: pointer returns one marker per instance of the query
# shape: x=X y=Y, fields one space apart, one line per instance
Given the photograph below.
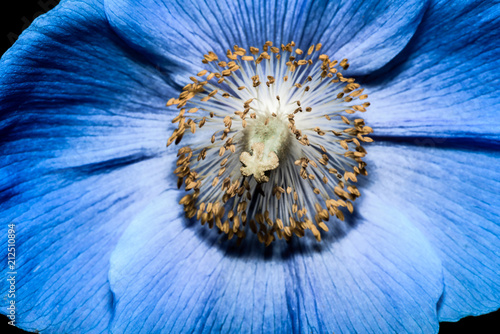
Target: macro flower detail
x=257 y=164
x=102 y=243
x=293 y=160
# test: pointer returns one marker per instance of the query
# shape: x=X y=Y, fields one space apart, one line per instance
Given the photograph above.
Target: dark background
x=21 y=13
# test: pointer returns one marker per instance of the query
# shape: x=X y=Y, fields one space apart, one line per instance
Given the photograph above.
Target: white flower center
x=271 y=148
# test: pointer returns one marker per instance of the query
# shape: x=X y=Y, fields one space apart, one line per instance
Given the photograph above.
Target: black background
x=17 y=15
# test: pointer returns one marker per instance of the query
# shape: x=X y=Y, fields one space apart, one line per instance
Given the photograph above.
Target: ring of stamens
x=274 y=148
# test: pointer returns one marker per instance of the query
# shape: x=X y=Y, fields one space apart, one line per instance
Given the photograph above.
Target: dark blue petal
x=171 y=33
x=452 y=196
x=83 y=132
x=168 y=276
x=445 y=83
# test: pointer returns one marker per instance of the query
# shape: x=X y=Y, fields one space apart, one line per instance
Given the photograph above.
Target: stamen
x=278 y=158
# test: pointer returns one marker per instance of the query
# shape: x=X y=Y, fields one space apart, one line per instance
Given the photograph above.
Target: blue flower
x=101 y=244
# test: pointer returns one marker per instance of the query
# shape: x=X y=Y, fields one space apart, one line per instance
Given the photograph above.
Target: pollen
x=272 y=142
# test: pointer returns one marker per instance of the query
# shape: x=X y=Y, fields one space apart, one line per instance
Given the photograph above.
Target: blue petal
x=382 y=277
x=452 y=196
x=83 y=134
x=169 y=277
x=177 y=33
x=445 y=83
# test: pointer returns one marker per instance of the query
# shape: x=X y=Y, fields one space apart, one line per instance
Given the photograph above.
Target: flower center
x=269 y=139
x=273 y=146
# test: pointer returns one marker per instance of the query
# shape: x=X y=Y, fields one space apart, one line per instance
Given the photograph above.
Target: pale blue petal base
x=171 y=276
x=383 y=276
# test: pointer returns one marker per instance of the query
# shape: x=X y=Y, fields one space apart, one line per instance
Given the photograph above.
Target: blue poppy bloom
x=88 y=187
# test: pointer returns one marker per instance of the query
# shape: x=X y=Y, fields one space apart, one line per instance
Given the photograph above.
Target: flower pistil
x=274 y=147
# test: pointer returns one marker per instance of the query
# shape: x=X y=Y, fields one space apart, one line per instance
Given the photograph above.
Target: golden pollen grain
x=272 y=143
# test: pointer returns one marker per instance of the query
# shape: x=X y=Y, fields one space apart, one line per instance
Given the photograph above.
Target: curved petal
x=445 y=83
x=82 y=133
x=168 y=278
x=452 y=196
x=178 y=33
x=382 y=277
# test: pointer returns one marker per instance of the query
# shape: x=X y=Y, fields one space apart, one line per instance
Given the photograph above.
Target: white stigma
x=257 y=164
